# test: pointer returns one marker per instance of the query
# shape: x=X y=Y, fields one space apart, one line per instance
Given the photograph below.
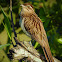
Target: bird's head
x=27 y=9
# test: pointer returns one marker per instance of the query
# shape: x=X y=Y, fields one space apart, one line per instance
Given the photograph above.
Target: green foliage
x=59 y=40
x=3 y=46
x=54 y=43
x=6 y=23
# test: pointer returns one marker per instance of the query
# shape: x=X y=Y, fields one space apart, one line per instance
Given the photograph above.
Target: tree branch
x=24 y=50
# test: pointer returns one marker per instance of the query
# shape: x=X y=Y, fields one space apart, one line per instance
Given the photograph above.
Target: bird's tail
x=47 y=53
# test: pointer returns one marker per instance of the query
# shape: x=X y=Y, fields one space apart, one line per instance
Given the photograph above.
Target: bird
x=33 y=27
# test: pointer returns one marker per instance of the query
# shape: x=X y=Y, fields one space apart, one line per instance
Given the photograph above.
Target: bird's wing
x=34 y=27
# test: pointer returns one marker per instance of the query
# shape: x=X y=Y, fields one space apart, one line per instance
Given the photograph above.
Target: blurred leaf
x=2 y=46
x=43 y=17
x=14 y=17
x=60 y=40
x=1 y=27
x=6 y=23
x=41 y=13
x=46 y=23
x=45 y=7
x=36 y=44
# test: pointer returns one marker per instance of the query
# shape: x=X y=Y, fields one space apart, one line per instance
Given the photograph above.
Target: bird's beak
x=22 y=5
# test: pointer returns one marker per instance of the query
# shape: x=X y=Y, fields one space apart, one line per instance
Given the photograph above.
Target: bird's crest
x=28 y=4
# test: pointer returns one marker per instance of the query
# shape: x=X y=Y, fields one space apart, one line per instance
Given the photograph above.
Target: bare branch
x=10 y=5
x=12 y=19
x=25 y=50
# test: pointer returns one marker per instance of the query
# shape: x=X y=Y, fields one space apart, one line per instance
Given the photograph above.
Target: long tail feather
x=47 y=53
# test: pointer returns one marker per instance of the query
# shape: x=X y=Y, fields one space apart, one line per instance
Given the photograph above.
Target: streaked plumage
x=33 y=27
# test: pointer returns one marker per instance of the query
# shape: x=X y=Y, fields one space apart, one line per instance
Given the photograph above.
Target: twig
x=12 y=19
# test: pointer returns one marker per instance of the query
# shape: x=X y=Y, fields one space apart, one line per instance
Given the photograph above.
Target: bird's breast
x=21 y=22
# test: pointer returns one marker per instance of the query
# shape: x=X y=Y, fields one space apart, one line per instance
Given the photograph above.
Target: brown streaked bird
x=32 y=25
